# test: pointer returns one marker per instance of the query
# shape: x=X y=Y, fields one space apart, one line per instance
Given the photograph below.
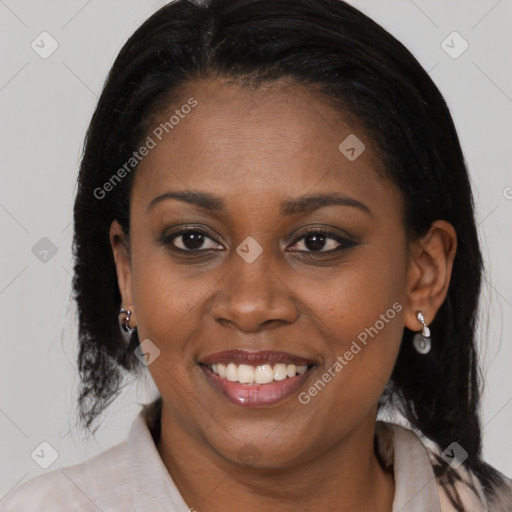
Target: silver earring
x=125 y=322
x=421 y=340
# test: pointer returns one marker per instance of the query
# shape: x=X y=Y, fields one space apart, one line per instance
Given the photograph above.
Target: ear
x=121 y=252
x=429 y=272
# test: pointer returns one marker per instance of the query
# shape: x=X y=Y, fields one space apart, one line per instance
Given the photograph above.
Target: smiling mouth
x=256 y=378
x=261 y=374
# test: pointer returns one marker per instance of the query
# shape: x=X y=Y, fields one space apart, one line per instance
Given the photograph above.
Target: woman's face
x=254 y=283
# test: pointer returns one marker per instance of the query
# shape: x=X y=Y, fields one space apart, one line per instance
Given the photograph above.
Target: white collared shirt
x=131 y=476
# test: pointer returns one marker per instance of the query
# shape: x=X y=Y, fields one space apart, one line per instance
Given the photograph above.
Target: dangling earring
x=125 y=322
x=421 y=340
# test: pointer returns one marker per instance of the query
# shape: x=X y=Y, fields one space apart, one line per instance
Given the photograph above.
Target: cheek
x=357 y=295
x=167 y=306
x=359 y=312
x=166 y=302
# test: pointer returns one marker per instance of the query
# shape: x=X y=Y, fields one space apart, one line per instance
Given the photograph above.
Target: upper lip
x=256 y=358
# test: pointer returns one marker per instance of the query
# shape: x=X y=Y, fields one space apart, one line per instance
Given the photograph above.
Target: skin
x=253 y=149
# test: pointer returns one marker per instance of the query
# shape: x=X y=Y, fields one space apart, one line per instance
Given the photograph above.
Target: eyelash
x=345 y=243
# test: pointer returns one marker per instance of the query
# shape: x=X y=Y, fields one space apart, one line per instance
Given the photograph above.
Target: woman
x=275 y=219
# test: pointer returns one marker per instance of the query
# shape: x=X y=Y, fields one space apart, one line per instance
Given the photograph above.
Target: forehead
x=278 y=139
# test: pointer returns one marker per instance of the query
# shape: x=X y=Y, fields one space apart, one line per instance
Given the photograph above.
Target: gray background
x=46 y=105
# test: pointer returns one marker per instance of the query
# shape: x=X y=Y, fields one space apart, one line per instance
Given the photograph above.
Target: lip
x=255 y=358
x=256 y=395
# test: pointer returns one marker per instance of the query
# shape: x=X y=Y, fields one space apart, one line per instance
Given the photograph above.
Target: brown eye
x=321 y=241
x=191 y=240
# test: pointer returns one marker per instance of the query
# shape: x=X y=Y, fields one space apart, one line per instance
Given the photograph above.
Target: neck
x=346 y=477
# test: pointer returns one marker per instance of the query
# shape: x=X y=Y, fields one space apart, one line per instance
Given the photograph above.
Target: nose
x=253 y=297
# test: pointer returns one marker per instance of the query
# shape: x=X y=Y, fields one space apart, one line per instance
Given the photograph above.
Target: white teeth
x=262 y=374
x=232 y=372
x=245 y=374
x=280 y=372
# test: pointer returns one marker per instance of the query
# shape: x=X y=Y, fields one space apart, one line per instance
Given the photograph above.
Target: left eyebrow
x=308 y=204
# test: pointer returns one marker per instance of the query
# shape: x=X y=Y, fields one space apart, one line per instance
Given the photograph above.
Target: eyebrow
x=295 y=206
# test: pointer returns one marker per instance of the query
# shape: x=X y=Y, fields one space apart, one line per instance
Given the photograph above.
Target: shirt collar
x=415 y=481
x=155 y=489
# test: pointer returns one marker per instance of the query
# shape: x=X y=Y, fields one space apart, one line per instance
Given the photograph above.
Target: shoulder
x=501 y=495
x=51 y=491
x=456 y=485
x=461 y=485
x=85 y=487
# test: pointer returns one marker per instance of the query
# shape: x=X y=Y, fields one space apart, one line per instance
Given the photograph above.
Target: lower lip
x=255 y=395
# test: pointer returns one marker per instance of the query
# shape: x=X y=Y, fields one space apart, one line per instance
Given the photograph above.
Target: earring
x=421 y=340
x=125 y=323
